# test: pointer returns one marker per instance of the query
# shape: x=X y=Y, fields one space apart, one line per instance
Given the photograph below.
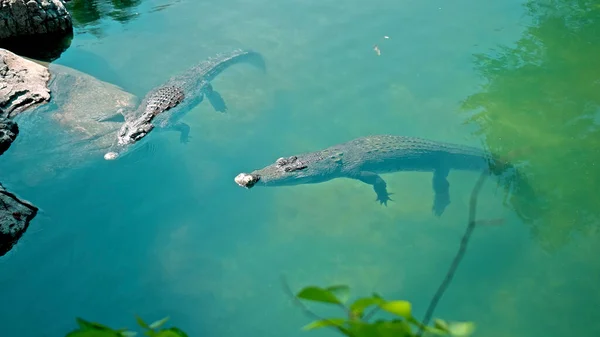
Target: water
x=169 y=233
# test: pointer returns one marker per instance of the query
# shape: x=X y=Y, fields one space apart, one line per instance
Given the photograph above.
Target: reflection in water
x=44 y=47
x=544 y=93
x=87 y=13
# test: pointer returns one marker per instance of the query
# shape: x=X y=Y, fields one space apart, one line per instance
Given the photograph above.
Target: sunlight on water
x=168 y=232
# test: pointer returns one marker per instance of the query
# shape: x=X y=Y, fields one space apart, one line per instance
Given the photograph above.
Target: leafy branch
x=354 y=322
x=461 y=250
x=91 y=329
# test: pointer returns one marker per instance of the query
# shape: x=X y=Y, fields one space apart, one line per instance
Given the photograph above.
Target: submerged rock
x=15 y=216
x=66 y=133
x=23 y=84
x=82 y=100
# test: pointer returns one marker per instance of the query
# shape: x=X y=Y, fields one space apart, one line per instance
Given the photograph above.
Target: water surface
x=170 y=233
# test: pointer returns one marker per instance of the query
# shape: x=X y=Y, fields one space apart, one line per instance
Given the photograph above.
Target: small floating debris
x=376 y=49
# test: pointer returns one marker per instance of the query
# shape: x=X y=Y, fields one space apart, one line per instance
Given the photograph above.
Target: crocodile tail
x=523 y=199
x=519 y=192
x=224 y=61
x=256 y=59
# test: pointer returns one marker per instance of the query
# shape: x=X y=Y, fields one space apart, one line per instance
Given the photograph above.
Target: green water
x=171 y=233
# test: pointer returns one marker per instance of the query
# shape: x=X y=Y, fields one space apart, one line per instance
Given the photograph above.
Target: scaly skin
x=365 y=158
x=165 y=105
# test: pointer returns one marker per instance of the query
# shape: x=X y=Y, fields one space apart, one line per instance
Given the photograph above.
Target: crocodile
x=166 y=104
x=365 y=158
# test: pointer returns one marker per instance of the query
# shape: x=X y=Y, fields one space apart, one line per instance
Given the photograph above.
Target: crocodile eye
x=281 y=161
x=297 y=167
x=138 y=134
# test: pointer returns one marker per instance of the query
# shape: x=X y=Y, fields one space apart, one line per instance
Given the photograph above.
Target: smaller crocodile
x=365 y=158
x=165 y=105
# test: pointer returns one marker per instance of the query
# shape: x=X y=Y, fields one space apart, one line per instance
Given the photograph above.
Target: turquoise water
x=170 y=233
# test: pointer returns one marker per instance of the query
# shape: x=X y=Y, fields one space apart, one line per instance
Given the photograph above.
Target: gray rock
x=82 y=100
x=23 y=84
x=70 y=124
x=15 y=216
x=8 y=132
x=17 y=18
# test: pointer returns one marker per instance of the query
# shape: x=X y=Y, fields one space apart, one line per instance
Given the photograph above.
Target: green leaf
x=440 y=324
x=157 y=324
x=361 y=329
x=150 y=333
x=380 y=328
x=85 y=325
x=87 y=328
x=93 y=333
x=169 y=333
x=318 y=295
x=141 y=322
x=461 y=329
x=358 y=307
x=436 y=331
x=179 y=332
x=393 y=328
x=325 y=323
x=342 y=292
x=399 y=308
x=128 y=333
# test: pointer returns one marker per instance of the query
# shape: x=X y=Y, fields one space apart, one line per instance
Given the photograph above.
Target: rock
x=82 y=100
x=20 y=18
x=15 y=216
x=23 y=84
x=41 y=29
x=8 y=132
x=70 y=128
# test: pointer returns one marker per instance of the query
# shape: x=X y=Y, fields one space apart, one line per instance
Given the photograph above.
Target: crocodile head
x=283 y=172
x=129 y=133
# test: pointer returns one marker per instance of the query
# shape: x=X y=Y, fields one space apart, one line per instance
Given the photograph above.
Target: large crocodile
x=365 y=158
x=165 y=105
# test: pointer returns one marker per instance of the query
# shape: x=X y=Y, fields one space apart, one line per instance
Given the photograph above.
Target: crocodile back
x=184 y=91
x=162 y=98
x=388 y=153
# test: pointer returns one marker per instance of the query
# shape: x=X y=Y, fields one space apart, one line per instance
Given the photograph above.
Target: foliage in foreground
x=354 y=324
x=90 y=329
x=356 y=321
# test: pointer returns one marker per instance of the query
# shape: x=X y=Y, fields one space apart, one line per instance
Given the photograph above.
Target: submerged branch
x=459 y=255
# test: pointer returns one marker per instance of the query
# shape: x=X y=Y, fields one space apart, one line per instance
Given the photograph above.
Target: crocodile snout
x=246 y=180
x=110 y=155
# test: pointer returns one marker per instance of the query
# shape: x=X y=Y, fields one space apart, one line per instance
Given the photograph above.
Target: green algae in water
x=539 y=106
